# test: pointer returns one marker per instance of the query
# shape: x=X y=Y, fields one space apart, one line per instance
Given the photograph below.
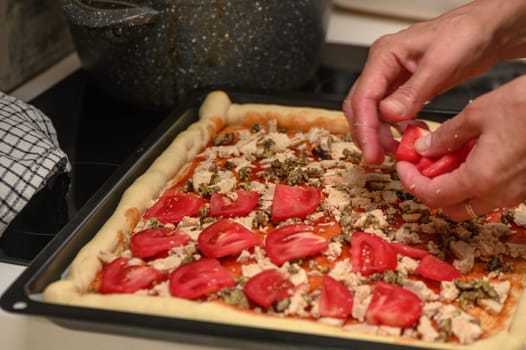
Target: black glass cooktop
x=98 y=133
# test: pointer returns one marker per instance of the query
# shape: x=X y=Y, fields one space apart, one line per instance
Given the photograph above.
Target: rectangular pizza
x=264 y=216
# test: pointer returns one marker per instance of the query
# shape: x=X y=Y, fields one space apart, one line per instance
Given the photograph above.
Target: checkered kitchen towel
x=29 y=155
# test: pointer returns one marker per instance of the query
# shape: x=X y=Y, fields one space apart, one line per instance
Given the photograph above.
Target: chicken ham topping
x=290 y=223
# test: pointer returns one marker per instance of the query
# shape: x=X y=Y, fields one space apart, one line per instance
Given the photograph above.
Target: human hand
x=406 y=69
x=494 y=173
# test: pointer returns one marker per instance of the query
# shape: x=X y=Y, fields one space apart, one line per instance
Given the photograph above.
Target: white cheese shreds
x=406 y=265
x=519 y=215
x=426 y=330
x=298 y=304
x=227 y=183
x=162 y=289
x=466 y=328
x=431 y=308
x=299 y=277
x=245 y=256
x=246 y=221
x=420 y=289
x=190 y=226
x=251 y=270
x=335 y=201
x=314 y=135
x=201 y=178
x=495 y=306
x=373 y=219
x=281 y=141
x=334 y=251
x=362 y=298
x=448 y=290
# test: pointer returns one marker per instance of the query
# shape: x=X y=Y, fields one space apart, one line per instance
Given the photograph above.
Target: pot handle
x=127 y=15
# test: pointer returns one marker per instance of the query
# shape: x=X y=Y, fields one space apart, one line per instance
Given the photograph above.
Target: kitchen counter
x=24 y=332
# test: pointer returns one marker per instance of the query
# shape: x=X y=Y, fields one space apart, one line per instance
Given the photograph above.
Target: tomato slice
x=267 y=287
x=226 y=237
x=370 y=253
x=448 y=162
x=198 y=278
x=292 y=242
x=424 y=163
x=173 y=206
x=406 y=148
x=335 y=299
x=394 y=306
x=294 y=202
x=119 y=277
x=152 y=241
x=407 y=250
x=222 y=205
x=437 y=270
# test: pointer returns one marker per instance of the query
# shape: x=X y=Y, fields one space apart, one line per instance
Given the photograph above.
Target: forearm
x=507 y=20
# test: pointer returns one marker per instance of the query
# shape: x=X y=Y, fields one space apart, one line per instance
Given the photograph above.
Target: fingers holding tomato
x=492 y=175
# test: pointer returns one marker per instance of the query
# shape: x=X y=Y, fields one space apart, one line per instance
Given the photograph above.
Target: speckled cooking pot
x=154 y=52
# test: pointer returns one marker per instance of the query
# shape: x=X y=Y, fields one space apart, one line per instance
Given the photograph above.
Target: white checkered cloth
x=29 y=155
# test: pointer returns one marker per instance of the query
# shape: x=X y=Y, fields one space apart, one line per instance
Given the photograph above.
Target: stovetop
x=99 y=133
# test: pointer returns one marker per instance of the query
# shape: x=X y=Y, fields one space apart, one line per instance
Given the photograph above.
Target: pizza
x=264 y=216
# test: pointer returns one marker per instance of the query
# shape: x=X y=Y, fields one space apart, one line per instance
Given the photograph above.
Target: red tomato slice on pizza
x=394 y=306
x=293 y=241
x=119 y=277
x=226 y=237
x=222 y=205
x=407 y=250
x=406 y=148
x=267 y=287
x=437 y=270
x=370 y=254
x=199 y=278
x=153 y=241
x=173 y=206
x=294 y=202
x=335 y=299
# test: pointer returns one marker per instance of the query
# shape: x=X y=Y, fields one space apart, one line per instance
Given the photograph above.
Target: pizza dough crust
x=217 y=112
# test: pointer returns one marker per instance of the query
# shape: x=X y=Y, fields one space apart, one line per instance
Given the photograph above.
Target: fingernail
x=395 y=107
x=423 y=143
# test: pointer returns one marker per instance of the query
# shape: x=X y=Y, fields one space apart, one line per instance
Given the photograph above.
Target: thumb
x=406 y=101
x=450 y=136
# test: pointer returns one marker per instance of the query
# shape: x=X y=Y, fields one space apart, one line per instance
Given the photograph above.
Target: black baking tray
x=23 y=296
